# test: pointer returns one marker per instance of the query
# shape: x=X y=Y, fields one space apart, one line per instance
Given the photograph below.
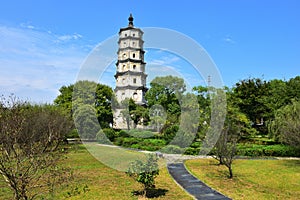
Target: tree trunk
x=230 y=172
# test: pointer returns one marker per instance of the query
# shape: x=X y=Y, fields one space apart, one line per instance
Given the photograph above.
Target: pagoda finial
x=130 y=19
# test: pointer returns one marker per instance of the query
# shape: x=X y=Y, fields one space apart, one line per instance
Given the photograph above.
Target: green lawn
x=253 y=179
x=94 y=180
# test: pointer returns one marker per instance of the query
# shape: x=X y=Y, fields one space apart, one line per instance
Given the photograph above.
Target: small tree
x=30 y=138
x=145 y=172
x=225 y=149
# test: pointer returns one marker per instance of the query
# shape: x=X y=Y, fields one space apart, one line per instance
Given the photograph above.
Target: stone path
x=192 y=185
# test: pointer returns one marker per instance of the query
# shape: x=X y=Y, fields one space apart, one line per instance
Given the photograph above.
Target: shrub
x=170 y=132
x=101 y=138
x=145 y=172
x=196 y=144
x=31 y=138
x=110 y=133
x=123 y=133
x=270 y=150
x=172 y=149
x=127 y=142
x=149 y=148
x=136 y=146
x=119 y=141
x=140 y=133
x=192 y=151
x=73 y=134
x=154 y=142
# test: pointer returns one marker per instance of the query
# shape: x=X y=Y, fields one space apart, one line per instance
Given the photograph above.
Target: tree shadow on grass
x=151 y=193
x=291 y=163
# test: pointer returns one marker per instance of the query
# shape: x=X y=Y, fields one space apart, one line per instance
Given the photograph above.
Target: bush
x=149 y=148
x=170 y=132
x=192 y=151
x=172 y=149
x=31 y=138
x=127 y=142
x=119 y=141
x=135 y=146
x=145 y=172
x=123 y=133
x=101 y=138
x=110 y=133
x=154 y=142
x=270 y=150
x=73 y=134
x=140 y=134
x=196 y=144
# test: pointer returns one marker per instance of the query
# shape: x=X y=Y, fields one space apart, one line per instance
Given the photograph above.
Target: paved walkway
x=192 y=185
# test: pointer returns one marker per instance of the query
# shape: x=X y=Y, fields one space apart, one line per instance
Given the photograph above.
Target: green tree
x=225 y=148
x=157 y=116
x=285 y=127
x=277 y=97
x=293 y=89
x=64 y=99
x=126 y=105
x=189 y=121
x=88 y=93
x=204 y=102
x=86 y=122
x=145 y=172
x=250 y=95
x=139 y=114
x=167 y=91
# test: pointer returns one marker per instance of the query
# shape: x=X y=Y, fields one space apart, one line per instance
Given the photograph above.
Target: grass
x=253 y=179
x=95 y=180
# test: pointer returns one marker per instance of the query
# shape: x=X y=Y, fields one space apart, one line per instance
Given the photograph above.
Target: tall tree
x=250 y=96
x=204 y=101
x=236 y=126
x=285 y=127
x=157 y=116
x=86 y=122
x=278 y=96
x=293 y=88
x=167 y=91
x=88 y=93
x=189 y=121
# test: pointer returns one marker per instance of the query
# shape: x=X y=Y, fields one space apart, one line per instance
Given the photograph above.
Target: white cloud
x=165 y=60
x=74 y=36
x=228 y=39
x=34 y=66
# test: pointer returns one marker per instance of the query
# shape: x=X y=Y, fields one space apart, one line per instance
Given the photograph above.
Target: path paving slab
x=192 y=185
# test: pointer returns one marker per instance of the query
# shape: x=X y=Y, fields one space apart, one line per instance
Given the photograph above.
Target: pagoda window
x=135 y=96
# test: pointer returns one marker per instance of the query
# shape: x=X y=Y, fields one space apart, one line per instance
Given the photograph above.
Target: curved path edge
x=192 y=185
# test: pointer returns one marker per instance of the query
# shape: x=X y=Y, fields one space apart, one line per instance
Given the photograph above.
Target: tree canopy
x=90 y=93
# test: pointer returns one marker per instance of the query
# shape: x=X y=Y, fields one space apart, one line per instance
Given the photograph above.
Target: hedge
x=268 y=150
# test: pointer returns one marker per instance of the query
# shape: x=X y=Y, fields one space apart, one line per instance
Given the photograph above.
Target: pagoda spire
x=130 y=19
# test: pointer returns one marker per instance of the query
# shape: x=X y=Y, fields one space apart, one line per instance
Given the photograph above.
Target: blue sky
x=44 y=43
